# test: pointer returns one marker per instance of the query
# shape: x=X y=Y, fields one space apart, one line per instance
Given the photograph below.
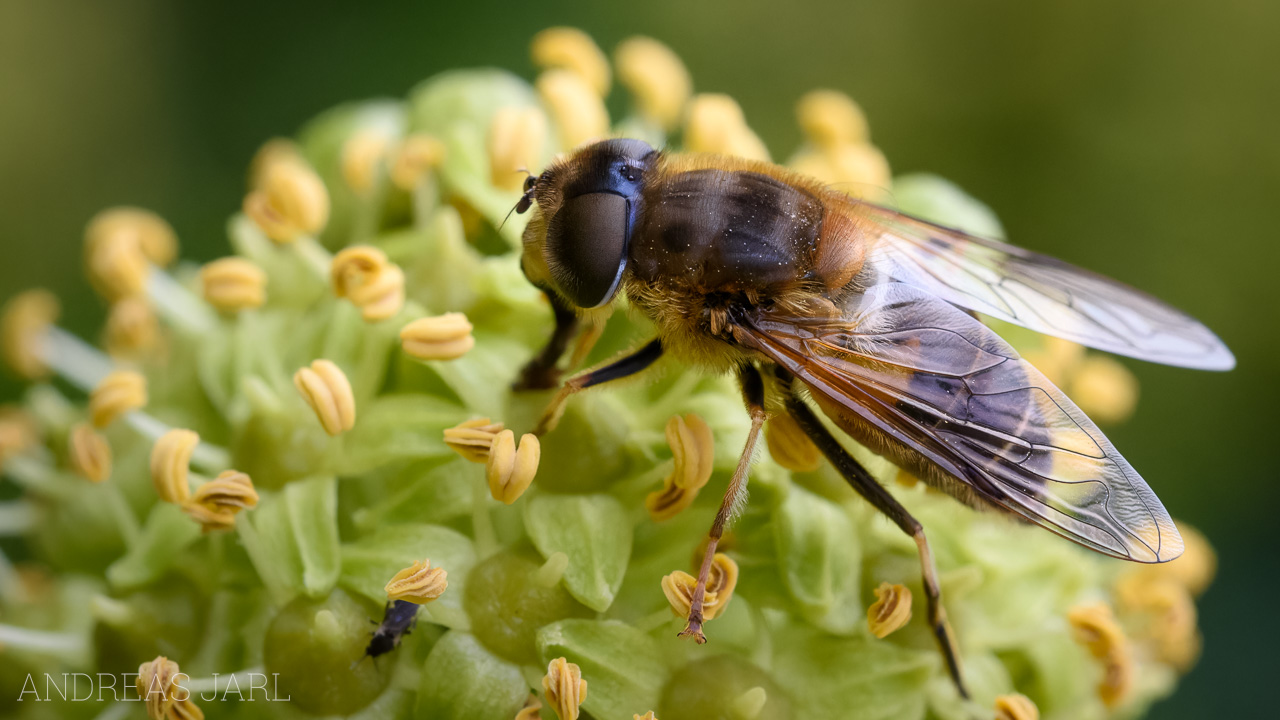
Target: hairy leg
x=753 y=396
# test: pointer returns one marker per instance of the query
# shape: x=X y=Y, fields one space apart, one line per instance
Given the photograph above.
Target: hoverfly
x=808 y=294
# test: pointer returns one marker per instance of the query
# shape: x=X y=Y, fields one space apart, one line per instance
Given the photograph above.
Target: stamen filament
x=16 y=517
x=202 y=685
x=37 y=476
x=178 y=305
x=78 y=362
x=42 y=641
x=314 y=255
x=211 y=458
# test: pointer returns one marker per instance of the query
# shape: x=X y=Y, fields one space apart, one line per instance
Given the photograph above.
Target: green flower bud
x=462 y=680
x=313 y=645
x=725 y=687
x=507 y=606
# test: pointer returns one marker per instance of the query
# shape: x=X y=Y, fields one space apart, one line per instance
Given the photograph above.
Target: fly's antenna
x=526 y=200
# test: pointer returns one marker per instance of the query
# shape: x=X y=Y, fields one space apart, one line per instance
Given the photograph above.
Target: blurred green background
x=1138 y=139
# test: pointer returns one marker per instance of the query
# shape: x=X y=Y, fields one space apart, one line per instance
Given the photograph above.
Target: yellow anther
x=1095 y=627
x=1195 y=569
x=656 y=77
x=1016 y=707
x=510 y=469
x=27 y=317
x=516 y=138
x=232 y=284
x=647 y=716
x=564 y=688
x=1056 y=358
x=860 y=171
x=18 y=432
x=905 y=479
x=363 y=275
x=216 y=503
x=90 y=453
x=131 y=327
x=443 y=337
x=1162 y=596
x=362 y=153
x=272 y=153
x=1104 y=389
x=721 y=581
x=419 y=583
x=473 y=438
x=143 y=229
x=890 y=611
x=117 y=268
x=789 y=446
x=417 y=155
x=157 y=686
x=830 y=118
x=530 y=710
x=289 y=201
x=1168 y=613
x=185 y=709
x=679 y=587
x=579 y=113
x=716 y=125
x=170 y=463
x=328 y=392
x=118 y=393
x=693 y=450
x=573 y=50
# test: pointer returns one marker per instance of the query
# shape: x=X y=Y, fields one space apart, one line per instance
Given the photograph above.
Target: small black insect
x=400 y=618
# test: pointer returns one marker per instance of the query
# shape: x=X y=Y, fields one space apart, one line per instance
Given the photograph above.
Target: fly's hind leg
x=753 y=396
x=874 y=492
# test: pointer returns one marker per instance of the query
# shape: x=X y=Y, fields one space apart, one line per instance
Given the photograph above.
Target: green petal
x=313 y=517
x=463 y=681
x=941 y=201
x=827 y=676
x=594 y=532
x=369 y=563
x=397 y=428
x=322 y=141
x=167 y=533
x=457 y=107
x=622 y=665
x=819 y=558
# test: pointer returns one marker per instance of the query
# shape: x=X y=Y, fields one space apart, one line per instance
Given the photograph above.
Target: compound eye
x=587 y=247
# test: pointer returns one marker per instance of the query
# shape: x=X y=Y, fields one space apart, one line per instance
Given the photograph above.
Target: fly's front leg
x=867 y=486
x=616 y=370
x=753 y=396
x=542 y=373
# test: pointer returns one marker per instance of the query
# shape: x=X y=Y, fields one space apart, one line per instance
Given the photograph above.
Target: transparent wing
x=937 y=382
x=1037 y=292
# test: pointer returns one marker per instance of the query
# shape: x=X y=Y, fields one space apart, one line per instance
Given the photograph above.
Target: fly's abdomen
x=726 y=231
